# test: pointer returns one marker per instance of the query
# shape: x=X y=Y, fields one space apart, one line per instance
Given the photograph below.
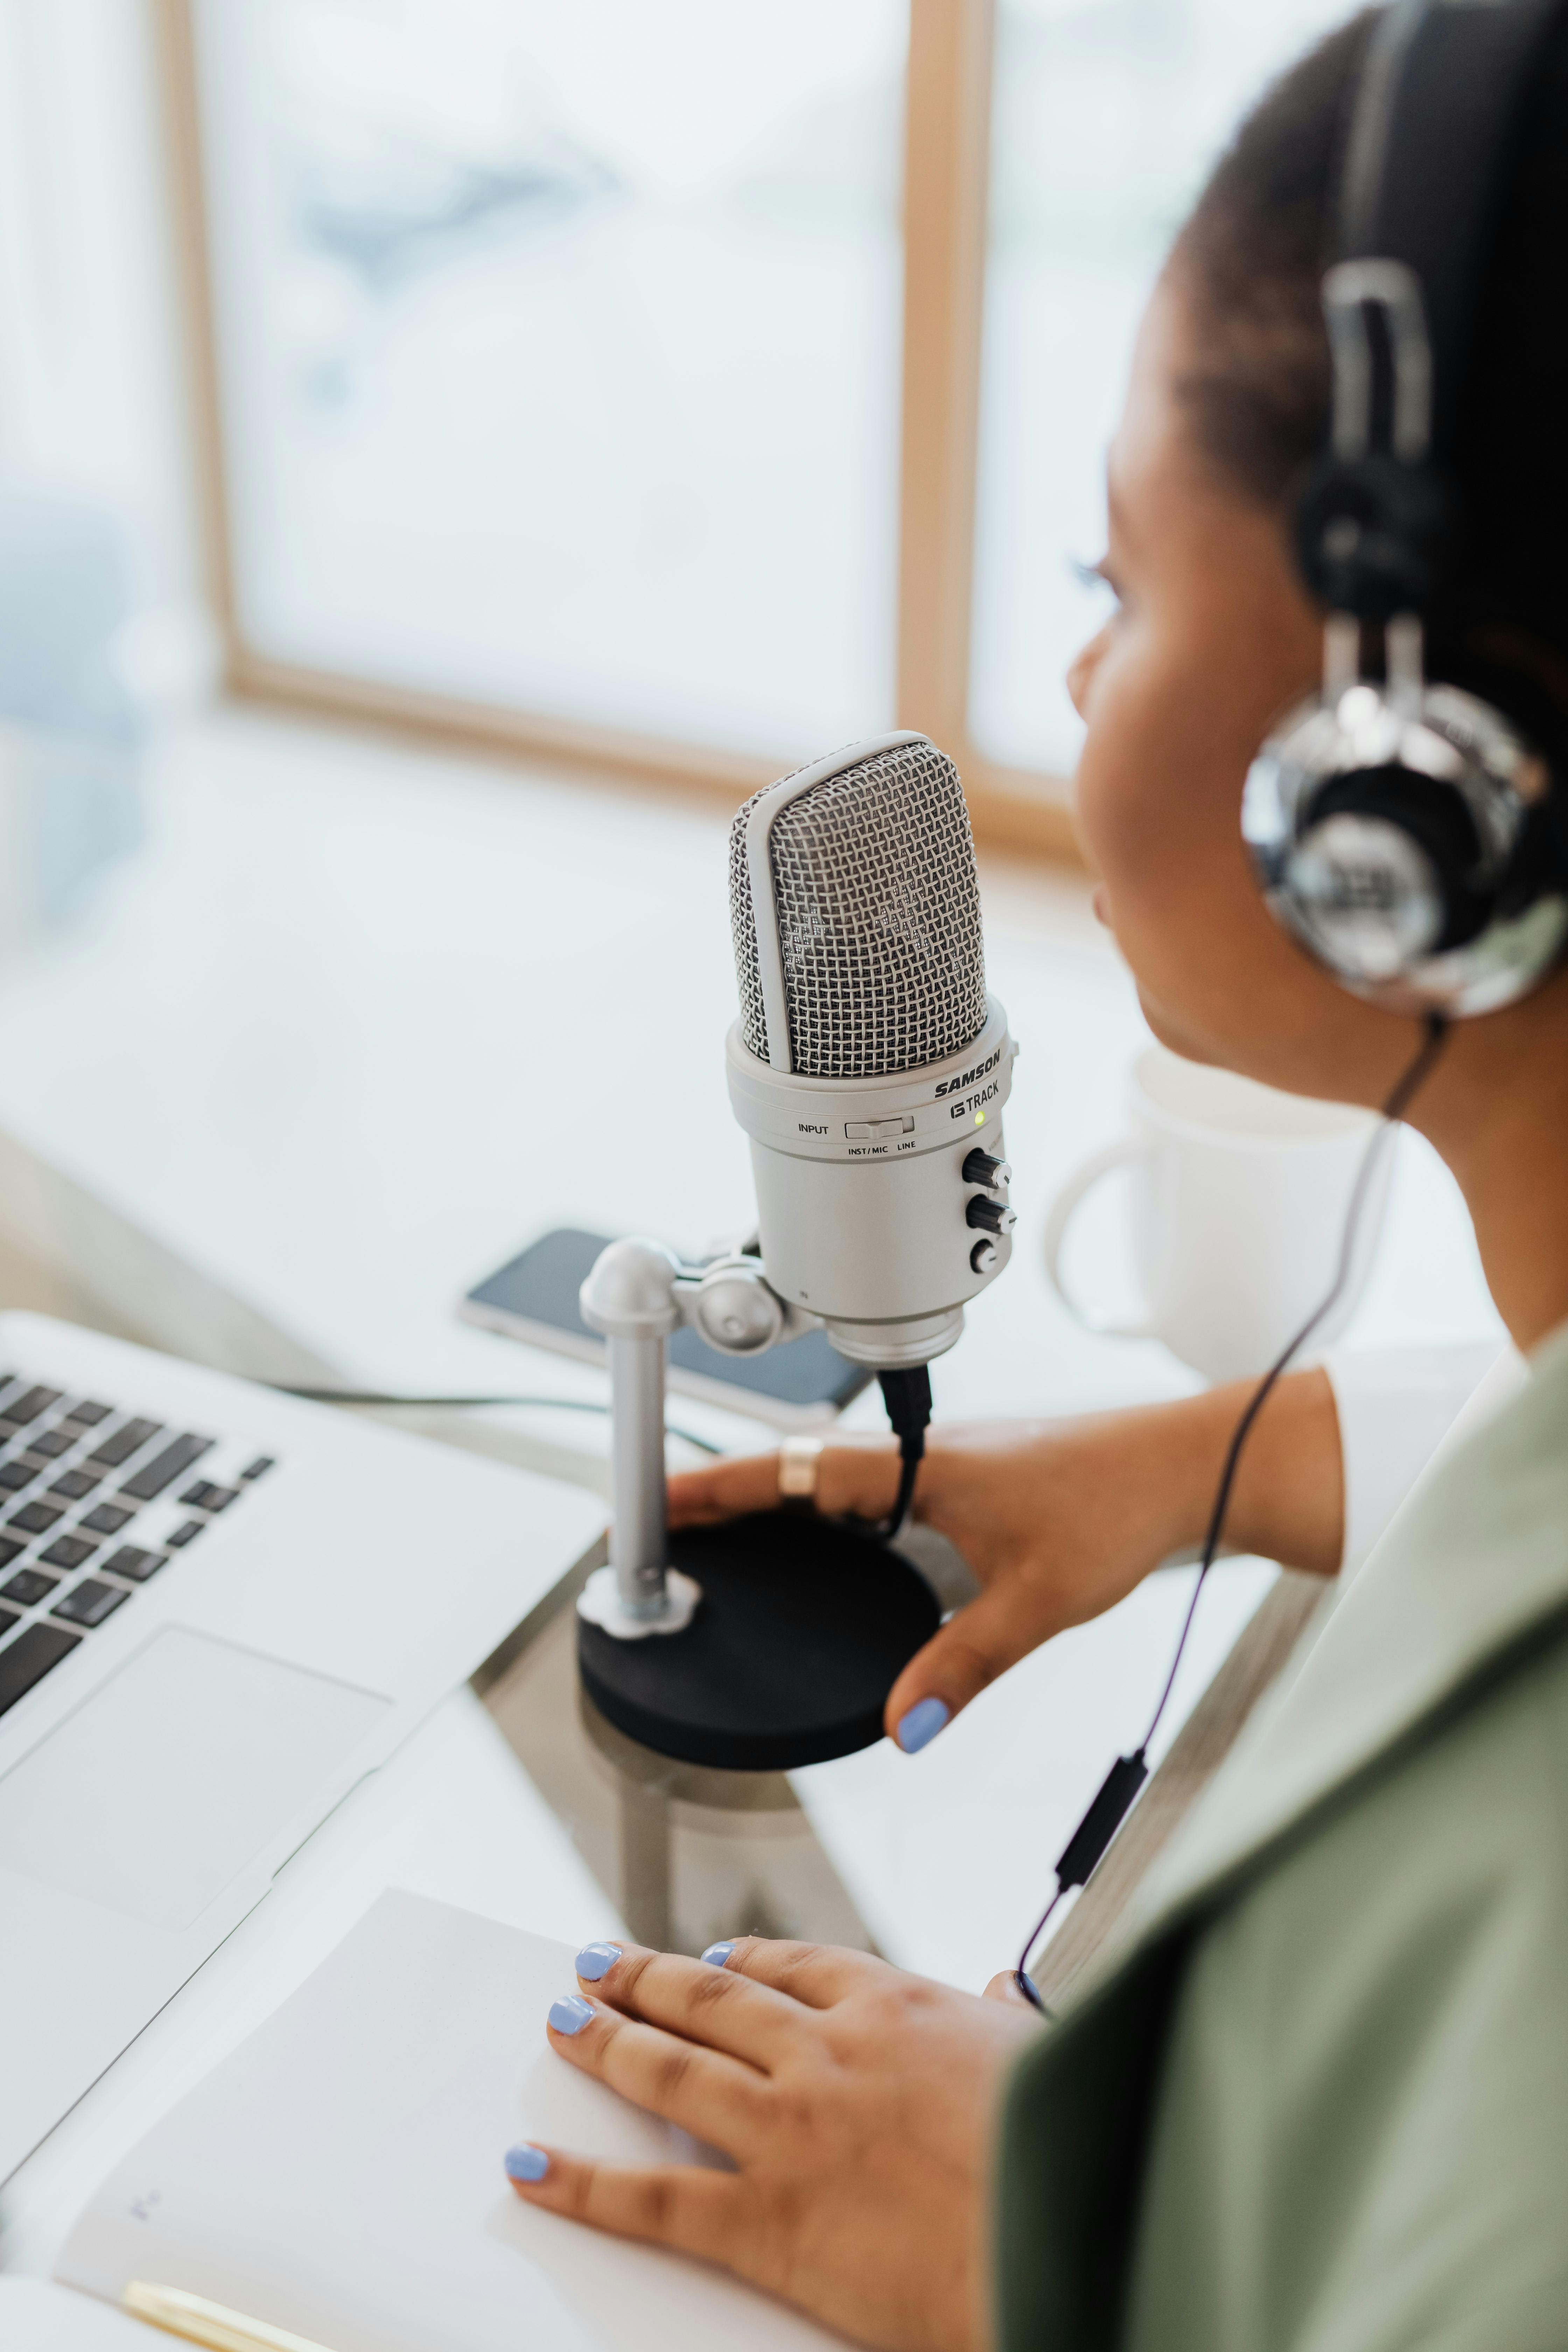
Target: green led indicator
x=980 y=1119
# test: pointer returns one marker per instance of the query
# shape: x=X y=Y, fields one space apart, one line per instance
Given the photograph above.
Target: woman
x=1318 y=2095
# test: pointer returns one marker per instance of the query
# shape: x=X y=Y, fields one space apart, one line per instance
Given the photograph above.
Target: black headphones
x=1399 y=826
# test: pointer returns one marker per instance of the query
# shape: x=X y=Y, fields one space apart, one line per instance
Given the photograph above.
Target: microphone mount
x=637 y=1297
x=769 y=1641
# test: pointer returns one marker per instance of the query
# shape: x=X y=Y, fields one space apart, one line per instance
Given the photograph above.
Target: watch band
x=798 y=1460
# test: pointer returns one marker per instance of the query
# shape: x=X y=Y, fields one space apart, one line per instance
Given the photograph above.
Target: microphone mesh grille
x=879 y=913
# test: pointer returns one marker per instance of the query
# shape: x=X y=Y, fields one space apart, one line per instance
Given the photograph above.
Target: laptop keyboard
x=77 y=1475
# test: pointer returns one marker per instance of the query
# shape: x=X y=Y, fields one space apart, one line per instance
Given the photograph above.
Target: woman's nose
x=1080 y=672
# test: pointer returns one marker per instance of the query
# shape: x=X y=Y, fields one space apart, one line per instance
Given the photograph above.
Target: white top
x=1399 y=1409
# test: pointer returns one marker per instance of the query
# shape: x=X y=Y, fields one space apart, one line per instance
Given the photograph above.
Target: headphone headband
x=1425 y=157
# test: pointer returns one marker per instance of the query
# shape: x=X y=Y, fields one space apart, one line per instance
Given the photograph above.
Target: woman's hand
x=1060 y=1519
x=857 y=2102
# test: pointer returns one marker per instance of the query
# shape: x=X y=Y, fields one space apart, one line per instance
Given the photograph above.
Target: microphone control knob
x=736 y=1311
x=980 y=1168
x=984 y=1257
x=988 y=1215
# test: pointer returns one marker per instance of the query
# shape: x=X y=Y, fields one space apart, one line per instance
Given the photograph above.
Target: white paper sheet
x=340 y=2173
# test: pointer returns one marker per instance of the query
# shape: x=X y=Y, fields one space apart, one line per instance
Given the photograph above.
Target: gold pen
x=200 y=2322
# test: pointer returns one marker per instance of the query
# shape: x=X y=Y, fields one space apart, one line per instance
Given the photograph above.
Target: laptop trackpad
x=176 y=1774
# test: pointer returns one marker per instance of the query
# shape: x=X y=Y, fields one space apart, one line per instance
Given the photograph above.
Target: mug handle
x=1084 y=1177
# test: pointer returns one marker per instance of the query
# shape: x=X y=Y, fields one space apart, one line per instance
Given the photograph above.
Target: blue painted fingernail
x=717 y=1954
x=571 y=2013
x=596 y=1960
x=525 y=2162
x=921 y=1726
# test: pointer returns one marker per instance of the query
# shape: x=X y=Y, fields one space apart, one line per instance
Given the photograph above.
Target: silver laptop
x=219 y=1609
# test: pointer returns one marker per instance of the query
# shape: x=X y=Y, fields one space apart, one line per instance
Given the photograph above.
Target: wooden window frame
x=946 y=187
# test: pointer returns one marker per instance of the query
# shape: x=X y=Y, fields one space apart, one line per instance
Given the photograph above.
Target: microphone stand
x=755 y=1646
x=630 y=1298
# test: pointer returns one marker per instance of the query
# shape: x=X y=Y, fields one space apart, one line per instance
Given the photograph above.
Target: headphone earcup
x=1433 y=821
x=1398 y=844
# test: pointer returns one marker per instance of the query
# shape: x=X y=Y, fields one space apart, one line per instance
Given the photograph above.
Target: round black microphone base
x=803 y=1628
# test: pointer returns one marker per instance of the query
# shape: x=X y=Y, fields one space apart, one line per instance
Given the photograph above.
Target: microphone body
x=869 y=1230
x=868 y=1067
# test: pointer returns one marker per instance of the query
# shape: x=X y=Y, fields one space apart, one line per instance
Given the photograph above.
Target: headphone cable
x=1113 y=1800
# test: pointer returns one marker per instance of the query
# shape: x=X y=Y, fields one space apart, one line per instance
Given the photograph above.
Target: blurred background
x=666 y=385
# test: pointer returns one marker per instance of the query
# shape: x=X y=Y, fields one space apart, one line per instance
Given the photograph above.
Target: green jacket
x=1315 y=2099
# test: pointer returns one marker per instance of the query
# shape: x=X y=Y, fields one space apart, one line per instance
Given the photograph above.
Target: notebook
x=339 y=2175
x=37 y=2317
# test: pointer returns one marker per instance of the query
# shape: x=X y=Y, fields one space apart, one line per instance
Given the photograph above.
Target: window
x=1108 y=113
x=557 y=342
x=682 y=383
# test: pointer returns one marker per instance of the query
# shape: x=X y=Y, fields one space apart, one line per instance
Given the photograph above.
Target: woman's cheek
x=1161 y=827
x=1129 y=791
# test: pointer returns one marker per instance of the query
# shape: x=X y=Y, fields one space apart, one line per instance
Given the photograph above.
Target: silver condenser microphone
x=869 y=1066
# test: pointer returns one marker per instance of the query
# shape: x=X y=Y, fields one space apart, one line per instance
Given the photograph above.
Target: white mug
x=1238 y=1206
